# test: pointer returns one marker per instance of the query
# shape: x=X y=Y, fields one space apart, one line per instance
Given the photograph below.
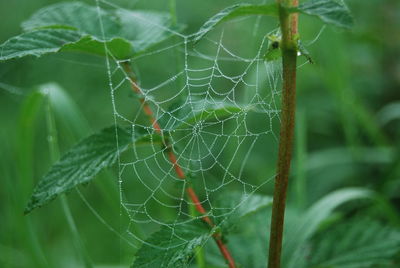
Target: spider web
x=215 y=150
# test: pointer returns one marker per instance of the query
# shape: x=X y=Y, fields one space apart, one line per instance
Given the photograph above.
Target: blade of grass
x=54 y=156
x=26 y=239
x=301 y=158
x=26 y=134
x=337 y=76
x=24 y=147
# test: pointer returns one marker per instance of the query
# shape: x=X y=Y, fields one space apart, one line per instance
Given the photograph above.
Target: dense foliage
x=342 y=209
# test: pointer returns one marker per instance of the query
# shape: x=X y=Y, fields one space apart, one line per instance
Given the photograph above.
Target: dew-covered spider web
x=215 y=105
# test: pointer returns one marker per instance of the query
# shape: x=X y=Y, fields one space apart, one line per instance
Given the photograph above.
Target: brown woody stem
x=289 y=25
x=178 y=170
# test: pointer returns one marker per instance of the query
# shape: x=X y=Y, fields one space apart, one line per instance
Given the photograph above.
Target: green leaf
x=117 y=47
x=213 y=112
x=184 y=116
x=333 y=158
x=304 y=227
x=75 y=26
x=44 y=41
x=30 y=113
x=66 y=111
x=329 y=11
x=172 y=247
x=359 y=243
x=235 y=11
x=27 y=122
x=75 y=16
x=304 y=52
x=235 y=206
x=273 y=54
x=274 y=50
x=389 y=113
x=83 y=161
x=141 y=28
x=37 y=43
x=145 y=29
x=247 y=242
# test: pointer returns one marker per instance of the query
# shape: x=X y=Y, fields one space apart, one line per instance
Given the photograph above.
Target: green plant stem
x=54 y=155
x=288 y=23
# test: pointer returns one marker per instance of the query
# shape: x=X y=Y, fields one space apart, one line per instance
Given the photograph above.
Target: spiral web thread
x=214 y=150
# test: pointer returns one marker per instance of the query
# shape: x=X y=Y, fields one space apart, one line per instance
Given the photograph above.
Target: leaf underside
x=329 y=11
x=185 y=115
x=75 y=26
x=44 y=41
x=233 y=12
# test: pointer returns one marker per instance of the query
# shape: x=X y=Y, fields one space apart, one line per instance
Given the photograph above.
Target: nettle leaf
x=302 y=229
x=186 y=115
x=172 y=247
x=208 y=111
x=74 y=15
x=233 y=12
x=75 y=26
x=233 y=207
x=329 y=11
x=118 y=47
x=358 y=243
x=84 y=161
x=44 y=41
x=145 y=29
x=37 y=43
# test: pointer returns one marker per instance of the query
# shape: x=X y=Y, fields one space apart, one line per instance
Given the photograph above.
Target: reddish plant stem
x=178 y=170
x=289 y=25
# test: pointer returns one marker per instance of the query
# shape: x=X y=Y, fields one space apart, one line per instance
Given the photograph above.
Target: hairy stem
x=178 y=170
x=289 y=23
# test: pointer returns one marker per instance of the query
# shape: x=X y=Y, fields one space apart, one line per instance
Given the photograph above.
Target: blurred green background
x=348 y=126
